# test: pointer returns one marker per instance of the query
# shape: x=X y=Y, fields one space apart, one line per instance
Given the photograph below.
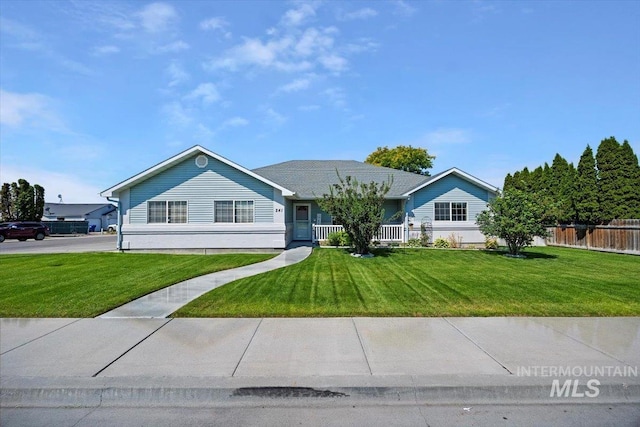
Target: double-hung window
x=233 y=211
x=172 y=212
x=450 y=211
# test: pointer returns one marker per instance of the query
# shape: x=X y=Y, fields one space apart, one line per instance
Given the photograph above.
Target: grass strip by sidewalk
x=406 y=282
x=86 y=285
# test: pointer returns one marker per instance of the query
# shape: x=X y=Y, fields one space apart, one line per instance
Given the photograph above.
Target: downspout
x=118 y=231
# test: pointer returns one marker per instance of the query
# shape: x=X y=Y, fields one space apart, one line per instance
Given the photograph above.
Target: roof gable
x=167 y=164
x=455 y=171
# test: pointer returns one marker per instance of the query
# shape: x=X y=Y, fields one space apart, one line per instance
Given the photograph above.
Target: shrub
x=454 y=240
x=339 y=238
x=414 y=243
x=441 y=243
x=491 y=243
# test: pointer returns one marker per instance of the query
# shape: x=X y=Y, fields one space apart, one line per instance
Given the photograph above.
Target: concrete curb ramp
x=165 y=301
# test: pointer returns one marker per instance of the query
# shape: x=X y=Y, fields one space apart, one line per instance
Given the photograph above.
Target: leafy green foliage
x=515 y=216
x=441 y=243
x=21 y=201
x=402 y=157
x=339 y=238
x=586 y=189
x=568 y=194
x=358 y=207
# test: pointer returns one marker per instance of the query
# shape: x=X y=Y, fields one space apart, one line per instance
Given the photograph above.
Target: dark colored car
x=23 y=230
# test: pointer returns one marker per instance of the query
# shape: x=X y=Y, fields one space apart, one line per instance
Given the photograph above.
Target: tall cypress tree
x=630 y=182
x=508 y=182
x=586 y=189
x=561 y=188
x=610 y=192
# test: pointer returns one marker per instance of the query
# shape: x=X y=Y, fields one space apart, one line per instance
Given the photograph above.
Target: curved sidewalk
x=163 y=302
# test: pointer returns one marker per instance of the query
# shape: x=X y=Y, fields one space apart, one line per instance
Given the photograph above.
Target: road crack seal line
x=131 y=348
x=247 y=347
x=41 y=336
x=364 y=353
x=478 y=345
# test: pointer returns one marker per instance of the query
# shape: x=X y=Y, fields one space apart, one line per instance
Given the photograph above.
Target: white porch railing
x=386 y=233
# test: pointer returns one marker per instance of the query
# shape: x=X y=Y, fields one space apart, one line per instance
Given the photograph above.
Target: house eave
x=459 y=173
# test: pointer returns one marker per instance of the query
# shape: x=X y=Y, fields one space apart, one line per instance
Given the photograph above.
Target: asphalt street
x=61 y=244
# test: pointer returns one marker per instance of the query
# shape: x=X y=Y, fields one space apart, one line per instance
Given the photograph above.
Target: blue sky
x=95 y=92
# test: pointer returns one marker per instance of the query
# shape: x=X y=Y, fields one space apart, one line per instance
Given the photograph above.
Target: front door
x=301 y=221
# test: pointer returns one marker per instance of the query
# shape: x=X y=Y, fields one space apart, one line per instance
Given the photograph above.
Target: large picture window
x=233 y=211
x=450 y=211
x=173 y=212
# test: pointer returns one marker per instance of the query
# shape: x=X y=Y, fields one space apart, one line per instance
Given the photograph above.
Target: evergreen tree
x=561 y=188
x=38 y=202
x=6 y=202
x=25 y=199
x=508 y=182
x=610 y=194
x=630 y=182
x=586 y=189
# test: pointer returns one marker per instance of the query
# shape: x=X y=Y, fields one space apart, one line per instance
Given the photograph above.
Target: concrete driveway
x=61 y=244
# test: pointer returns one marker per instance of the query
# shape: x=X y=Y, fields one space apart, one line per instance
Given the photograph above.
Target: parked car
x=23 y=230
x=112 y=228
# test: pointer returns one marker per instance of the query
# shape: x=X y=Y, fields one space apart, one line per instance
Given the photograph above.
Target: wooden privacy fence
x=620 y=235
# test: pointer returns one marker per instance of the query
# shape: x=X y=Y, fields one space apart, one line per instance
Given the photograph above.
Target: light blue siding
x=200 y=188
x=390 y=208
x=449 y=189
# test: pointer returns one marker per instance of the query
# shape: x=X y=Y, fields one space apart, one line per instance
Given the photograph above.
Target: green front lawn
x=85 y=285
x=550 y=282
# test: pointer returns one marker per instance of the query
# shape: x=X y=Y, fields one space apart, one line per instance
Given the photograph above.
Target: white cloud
x=157 y=17
x=177 y=74
x=312 y=107
x=364 y=13
x=105 y=50
x=28 y=109
x=73 y=188
x=173 y=47
x=295 y=86
x=218 y=24
x=403 y=8
x=334 y=63
x=176 y=114
x=298 y=16
x=363 y=44
x=336 y=96
x=235 y=122
x=446 y=136
x=313 y=41
x=207 y=92
x=273 y=118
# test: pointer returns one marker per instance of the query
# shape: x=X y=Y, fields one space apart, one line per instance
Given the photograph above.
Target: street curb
x=89 y=397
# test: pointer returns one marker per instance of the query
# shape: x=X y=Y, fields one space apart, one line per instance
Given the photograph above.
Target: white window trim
x=166 y=211
x=466 y=210
x=233 y=211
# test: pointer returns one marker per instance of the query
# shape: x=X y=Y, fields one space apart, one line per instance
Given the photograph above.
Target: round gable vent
x=202 y=161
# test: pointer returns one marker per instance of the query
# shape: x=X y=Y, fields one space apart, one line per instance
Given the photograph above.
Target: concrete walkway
x=92 y=362
x=162 y=303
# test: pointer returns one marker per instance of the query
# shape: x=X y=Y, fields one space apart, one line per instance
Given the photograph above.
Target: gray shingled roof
x=310 y=179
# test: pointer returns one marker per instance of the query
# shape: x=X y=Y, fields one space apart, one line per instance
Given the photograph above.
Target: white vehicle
x=112 y=227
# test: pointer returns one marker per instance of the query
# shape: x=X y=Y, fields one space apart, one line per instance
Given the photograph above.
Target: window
x=442 y=212
x=157 y=212
x=244 y=211
x=454 y=211
x=177 y=212
x=223 y=211
x=458 y=211
x=167 y=212
x=233 y=211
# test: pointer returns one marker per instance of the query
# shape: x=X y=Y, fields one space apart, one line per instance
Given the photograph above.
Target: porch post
x=405 y=233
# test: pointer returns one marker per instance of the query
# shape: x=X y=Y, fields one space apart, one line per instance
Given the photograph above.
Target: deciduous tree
x=358 y=207
x=515 y=216
x=402 y=157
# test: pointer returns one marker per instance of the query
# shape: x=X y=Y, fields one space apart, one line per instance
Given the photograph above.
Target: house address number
x=278 y=210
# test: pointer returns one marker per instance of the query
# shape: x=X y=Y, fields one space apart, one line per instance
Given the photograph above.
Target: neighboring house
x=98 y=214
x=201 y=200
